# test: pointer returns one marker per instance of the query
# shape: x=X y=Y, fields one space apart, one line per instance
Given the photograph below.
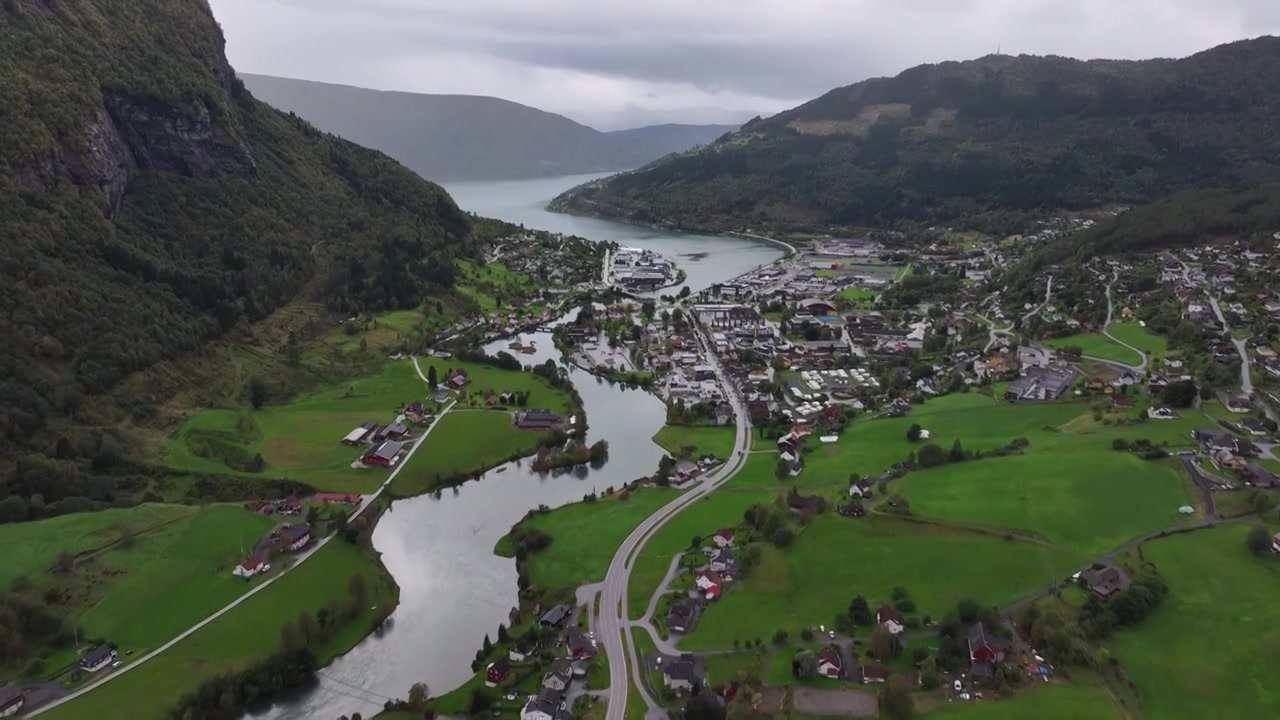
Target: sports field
x=1218 y=607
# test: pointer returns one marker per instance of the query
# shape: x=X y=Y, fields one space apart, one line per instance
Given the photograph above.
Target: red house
x=384 y=455
x=457 y=379
x=709 y=583
x=497 y=672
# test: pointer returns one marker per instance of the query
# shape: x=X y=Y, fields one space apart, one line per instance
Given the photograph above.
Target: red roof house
x=724 y=536
x=709 y=582
x=497 y=672
x=830 y=663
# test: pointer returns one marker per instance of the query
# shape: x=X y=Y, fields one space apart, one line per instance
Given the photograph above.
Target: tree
x=293 y=349
x=696 y=542
x=783 y=537
x=704 y=705
x=957 y=452
x=931 y=455
x=1258 y=540
x=13 y=509
x=860 y=612
x=258 y=394
x=805 y=665
x=884 y=644
x=913 y=432
x=895 y=699
x=418 y=696
x=480 y=701
x=432 y=379
x=290 y=637
x=487 y=647
x=969 y=611
x=308 y=628
x=65 y=562
x=782 y=469
x=503 y=635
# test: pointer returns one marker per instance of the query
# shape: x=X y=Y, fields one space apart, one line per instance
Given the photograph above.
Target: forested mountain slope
x=992 y=140
x=148 y=204
x=472 y=137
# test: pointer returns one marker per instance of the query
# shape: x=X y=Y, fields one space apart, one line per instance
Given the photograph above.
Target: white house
x=98 y=658
x=723 y=537
x=542 y=706
x=891 y=619
x=250 y=567
x=1160 y=412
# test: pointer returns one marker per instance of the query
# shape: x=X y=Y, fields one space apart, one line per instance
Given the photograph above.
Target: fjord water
x=453 y=589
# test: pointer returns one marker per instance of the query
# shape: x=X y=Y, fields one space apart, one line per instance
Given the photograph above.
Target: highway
x=613 y=621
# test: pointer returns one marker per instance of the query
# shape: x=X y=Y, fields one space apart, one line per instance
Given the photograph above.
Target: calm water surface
x=453 y=589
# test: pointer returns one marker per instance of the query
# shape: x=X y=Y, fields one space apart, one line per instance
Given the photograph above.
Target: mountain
x=472 y=137
x=993 y=140
x=149 y=204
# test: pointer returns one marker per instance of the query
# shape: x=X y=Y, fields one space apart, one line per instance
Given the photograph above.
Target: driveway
x=834 y=703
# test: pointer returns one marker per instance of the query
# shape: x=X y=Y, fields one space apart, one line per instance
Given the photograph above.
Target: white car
x=117 y=663
x=832 y=634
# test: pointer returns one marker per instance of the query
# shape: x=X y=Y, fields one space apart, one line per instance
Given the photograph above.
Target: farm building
x=357 y=436
x=536 y=419
x=250 y=567
x=384 y=455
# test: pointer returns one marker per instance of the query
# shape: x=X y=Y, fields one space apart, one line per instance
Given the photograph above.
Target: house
x=1105 y=582
x=723 y=537
x=578 y=644
x=524 y=648
x=723 y=559
x=12 y=698
x=1095 y=384
x=830 y=662
x=1161 y=412
x=860 y=488
x=457 y=379
x=384 y=455
x=1039 y=385
x=874 y=673
x=1228 y=460
x=709 y=582
x=250 y=567
x=395 y=431
x=555 y=616
x=853 y=510
x=296 y=536
x=984 y=651
x=1238 y=405
x=291 y=506
x=559 y=675
x=682 y=615
x=802 y=503
x=497 y=672
x=1121 y=401
x=98 y=658
x=325 y=498
x=543 y=706
x=535 y=419
x=682 y=674
x=1254 y=426
x=891 y=619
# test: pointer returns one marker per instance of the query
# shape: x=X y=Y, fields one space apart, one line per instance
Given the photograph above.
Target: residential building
x=578 y=644
x=891 y=619
x=682 y=615
x=830 y=662
x=497 y=672
x=723 y=537
x=296 y=536
x=559 y=675
x=543 y=706
x=682 y=674
x=249 y=567
x=535 y=419
x=709 y=582
x=1039 y=385
x=384 y=455
x=1105 y=582
x=98 y=658
x=984 y=651
x=555 y=616
x=723 y=559
x=524 y=648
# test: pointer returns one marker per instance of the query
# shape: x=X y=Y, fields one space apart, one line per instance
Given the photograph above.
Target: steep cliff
x=149 y=204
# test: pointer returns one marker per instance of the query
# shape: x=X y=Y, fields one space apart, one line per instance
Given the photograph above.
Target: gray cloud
x=621 y=62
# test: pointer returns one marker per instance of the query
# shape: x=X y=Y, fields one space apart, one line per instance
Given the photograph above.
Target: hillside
x=472 y=137
x=149 y=204
x=992 y=140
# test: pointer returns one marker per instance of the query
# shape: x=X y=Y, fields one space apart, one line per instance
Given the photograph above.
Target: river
x=453 y=589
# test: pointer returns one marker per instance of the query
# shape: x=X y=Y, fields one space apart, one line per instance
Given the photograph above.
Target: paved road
x=1106 y=330
x=613 y=622
x=307 y=554
x=1246 y=381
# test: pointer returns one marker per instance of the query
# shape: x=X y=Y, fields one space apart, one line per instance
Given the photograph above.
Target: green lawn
x=173 y=577
x=835 y=558
x=586 y=535
x=717 y=441
x=30 y=549
x=857 y=294
x=1139 y=337
x=463 y=442
x=1087 y=501
x=247 y=633
x=1209 y=650
x=1056 y=701
x=1099 y=346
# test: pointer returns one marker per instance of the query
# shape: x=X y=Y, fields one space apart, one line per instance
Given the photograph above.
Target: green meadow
x=1138 y=336
x=1056 y=701
x=1209 y=650
x=1099 y=346
x=676 y=439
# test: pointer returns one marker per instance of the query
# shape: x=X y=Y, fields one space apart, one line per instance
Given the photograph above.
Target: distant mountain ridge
x=994 y=140
x=472 y=137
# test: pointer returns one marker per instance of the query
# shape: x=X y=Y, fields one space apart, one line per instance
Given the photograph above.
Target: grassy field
x=249 y=632
x=302 y=439
x=1209 y=650
x=1139 y=337
x=1087 y=502
x=172 y=577
x=835 y=558
x=586 y=535
x=1099 y=346
x=30 y=549
x=1055 y=701
x=464 y=442
x=717 y=441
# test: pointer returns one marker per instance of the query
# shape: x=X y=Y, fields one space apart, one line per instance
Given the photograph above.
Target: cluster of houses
x=549 y=703
x=286 y=537
x=709 y=582
x=640 y=270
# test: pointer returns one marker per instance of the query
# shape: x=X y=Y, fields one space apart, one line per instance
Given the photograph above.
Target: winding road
x=1106 y=330
x=1246 y=381
x=365 y=502
x=613 y=624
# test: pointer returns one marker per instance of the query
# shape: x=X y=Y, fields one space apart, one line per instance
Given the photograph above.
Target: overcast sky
x=622 y=63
